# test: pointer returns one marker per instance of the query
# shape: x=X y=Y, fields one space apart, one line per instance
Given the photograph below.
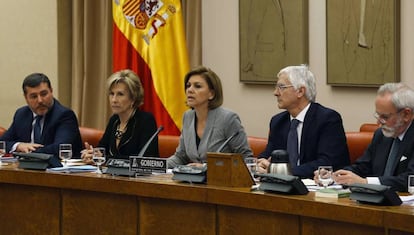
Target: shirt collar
x=302 y=114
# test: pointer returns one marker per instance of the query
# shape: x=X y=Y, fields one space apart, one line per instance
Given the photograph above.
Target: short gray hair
x=402 y=95
x=301 y=76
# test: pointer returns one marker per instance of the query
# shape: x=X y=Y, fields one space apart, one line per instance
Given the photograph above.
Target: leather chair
x=357 y=143
x=91 y=135
x=2 y=130
x=370 y=127
x=167 y=144
x=257 y=144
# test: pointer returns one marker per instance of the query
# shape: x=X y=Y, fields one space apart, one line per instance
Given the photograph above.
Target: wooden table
x=36 y=202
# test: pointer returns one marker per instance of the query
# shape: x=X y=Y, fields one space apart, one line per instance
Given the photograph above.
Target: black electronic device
x=36 y=161
x=374 y=194
x=121 y=167
x=285 y=184
x=191 y=174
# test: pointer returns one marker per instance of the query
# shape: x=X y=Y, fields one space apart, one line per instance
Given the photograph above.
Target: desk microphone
x=227 y=141
x=141 y=153
x=121 y=166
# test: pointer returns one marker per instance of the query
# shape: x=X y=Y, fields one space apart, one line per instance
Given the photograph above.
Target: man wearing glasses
x=389 y=158
x=312 y=134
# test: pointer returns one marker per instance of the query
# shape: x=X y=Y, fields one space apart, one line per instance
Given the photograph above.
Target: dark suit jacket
x=60 y=126
x=323 y=140
x=140 y=128
x=372 y=162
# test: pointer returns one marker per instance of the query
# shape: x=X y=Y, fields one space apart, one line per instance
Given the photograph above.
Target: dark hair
x=34 y=80
x=213 y=82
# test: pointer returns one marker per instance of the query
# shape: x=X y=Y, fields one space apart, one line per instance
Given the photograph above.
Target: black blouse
x=139 y=130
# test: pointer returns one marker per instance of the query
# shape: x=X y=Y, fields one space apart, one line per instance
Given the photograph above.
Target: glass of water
x=325 y=175
x=251 y=163
x=2 y=150
x=65 y=153
x=98 y=157
x=411 y=184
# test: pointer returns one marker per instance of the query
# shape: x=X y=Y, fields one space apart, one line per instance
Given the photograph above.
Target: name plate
x=147 y=165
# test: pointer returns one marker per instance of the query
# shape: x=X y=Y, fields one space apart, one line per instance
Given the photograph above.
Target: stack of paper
x=73 y=169
x=333 y=192
x=9 y=159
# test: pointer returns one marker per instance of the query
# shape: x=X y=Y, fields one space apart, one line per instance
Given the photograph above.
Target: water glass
x=251 y=163
x=2 y=150
x=325 y=175
x=98 y=157
x=411 y=184
x=65 y=153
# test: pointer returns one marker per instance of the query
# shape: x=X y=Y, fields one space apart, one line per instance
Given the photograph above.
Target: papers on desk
x=409 y=198
x=74 y=162
x=311 y=185
x=73 y=169
x=9 y=159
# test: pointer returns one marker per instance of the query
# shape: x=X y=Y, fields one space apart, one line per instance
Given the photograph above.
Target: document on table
x=73 y=169
x=409 y=198
x=312 y=186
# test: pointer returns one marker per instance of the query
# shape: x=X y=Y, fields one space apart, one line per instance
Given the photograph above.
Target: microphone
x=227 y=141
x=141 y=153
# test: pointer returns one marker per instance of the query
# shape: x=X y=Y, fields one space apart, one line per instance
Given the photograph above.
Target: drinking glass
x=2 y=150
x=411 y=184
x=65 y=153
x=325 y=175
x=98 y=157
x=251 y=163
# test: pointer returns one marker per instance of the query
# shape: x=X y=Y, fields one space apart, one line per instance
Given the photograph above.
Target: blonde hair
x=133 y=83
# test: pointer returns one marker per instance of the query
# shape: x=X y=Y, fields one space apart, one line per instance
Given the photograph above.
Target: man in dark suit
x=319 y=138
x=56 y=124
x=389 y=158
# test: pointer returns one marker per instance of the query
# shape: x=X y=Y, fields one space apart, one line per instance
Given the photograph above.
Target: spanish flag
x=149 y=38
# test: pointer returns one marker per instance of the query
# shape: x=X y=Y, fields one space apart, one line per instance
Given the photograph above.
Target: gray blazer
x=221 y=124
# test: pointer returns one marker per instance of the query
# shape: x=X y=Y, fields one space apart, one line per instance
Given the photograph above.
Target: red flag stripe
x=125 y=56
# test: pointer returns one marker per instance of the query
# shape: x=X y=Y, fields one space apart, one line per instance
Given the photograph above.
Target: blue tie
x=37 y=129
x=392 y=158
x=292 y=143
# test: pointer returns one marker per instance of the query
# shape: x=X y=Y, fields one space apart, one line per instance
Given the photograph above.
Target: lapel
x=208 y=131
x=48 y=120
x=384 y=150
x=190 y=139
x=406 y=146
x=27 y=124
x=307 y=124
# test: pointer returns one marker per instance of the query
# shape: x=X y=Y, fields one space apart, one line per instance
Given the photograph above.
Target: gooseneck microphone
x=227 y=141
x=141 y=153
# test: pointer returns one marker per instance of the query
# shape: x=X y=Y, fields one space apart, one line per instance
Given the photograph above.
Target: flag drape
x=149 y=38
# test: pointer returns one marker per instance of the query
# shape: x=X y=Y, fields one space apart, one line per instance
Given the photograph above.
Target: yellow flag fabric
x=156 y=32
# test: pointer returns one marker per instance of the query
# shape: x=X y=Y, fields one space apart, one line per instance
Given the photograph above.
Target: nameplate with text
x=147 y=165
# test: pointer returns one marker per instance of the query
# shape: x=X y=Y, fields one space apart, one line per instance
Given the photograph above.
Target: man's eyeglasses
x=281 y=87
x=383 y=118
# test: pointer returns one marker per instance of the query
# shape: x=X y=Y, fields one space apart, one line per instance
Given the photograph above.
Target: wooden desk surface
x=60 y=203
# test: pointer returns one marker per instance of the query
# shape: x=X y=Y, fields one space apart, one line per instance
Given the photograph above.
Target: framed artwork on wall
x=273 y=35
x=363 y=42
